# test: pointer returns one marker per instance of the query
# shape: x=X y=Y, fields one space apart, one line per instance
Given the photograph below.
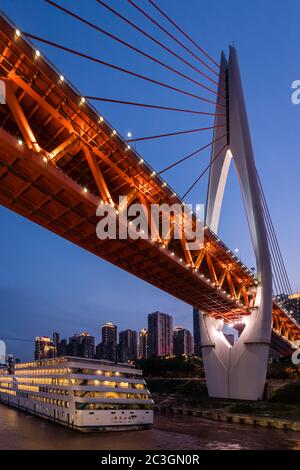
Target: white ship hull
x=88 y=407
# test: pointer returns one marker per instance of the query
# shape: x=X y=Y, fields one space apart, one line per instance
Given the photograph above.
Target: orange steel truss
x=59 y=160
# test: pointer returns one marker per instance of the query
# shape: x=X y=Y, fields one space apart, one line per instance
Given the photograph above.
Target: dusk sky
x=46 y=283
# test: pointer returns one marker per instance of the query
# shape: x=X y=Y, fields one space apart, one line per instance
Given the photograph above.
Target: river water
x=20 y=430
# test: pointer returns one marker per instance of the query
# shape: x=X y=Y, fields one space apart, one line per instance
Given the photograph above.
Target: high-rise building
x=2 y=353
x=160 y=334
x=127 y=347
x=143 y=344
x=44 y=348
x=107 y=349
x=82 y=345
x=62 y=348
x=182 y=341
x=55 y=339
x=196 y=332
x=10 y=360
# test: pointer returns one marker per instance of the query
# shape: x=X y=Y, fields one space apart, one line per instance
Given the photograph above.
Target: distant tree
x=174 y=366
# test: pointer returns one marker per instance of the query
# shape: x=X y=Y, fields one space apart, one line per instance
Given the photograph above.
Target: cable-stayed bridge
x=60 y=159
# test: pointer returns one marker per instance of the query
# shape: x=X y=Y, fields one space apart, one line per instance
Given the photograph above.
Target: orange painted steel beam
x=200 y=258
x=223 y=277
x=186 y=250
x=211 y=267
x=20 y=118
x=98 y=176
x=130 y=198
x=61 y=150
x=39 y=99
x=151 y=222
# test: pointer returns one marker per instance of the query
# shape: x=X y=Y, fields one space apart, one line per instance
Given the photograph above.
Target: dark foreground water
x=19 y=430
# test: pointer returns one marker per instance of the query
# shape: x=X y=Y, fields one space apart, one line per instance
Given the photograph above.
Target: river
x=20 y=430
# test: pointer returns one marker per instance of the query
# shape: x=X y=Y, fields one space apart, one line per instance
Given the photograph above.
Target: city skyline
x=65 y=342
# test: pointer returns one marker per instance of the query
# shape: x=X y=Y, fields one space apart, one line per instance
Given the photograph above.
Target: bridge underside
x=70 y=161
x=41 y=192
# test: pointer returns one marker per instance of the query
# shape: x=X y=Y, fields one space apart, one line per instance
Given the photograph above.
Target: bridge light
x=129 y=134
x=37 y=53
x=172 y=254
x=153 y=173
x=164 y=185
x=174 y=194
x=141 y=161
x=18 y=33
x=45 y=159
x=85 y=190
x=128 y=148
x=236 y=250
x=61 y=78
x=20 y=142
x=114 y=132
x=181 y=260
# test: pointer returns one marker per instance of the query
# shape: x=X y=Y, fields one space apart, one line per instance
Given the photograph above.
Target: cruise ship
x=84 y=394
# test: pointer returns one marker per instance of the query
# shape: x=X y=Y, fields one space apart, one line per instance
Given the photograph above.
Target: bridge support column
x=239 y=372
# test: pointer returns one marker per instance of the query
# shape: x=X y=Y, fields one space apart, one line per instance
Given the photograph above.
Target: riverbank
x=261 y=413
x=263 y=420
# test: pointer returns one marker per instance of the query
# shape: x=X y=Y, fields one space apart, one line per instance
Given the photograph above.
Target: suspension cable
x=120 y=69
x=173 y=37
x=171 y=134
x=204 y=171
x=277 y=275
x=151 y=106
x=130 y=46
x=149 y=36
x=273 y=237
x=183 y=32
x=191 y=155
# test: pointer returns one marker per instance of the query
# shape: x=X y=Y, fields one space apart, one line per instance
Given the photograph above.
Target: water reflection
x=19 y=430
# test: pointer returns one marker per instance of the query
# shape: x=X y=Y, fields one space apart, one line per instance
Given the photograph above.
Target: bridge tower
x=238 y=371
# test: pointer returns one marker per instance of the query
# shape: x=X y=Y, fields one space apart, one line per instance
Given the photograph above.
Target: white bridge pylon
x=238 y=371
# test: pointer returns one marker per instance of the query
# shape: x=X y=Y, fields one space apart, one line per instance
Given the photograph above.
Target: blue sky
x=48 y=284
